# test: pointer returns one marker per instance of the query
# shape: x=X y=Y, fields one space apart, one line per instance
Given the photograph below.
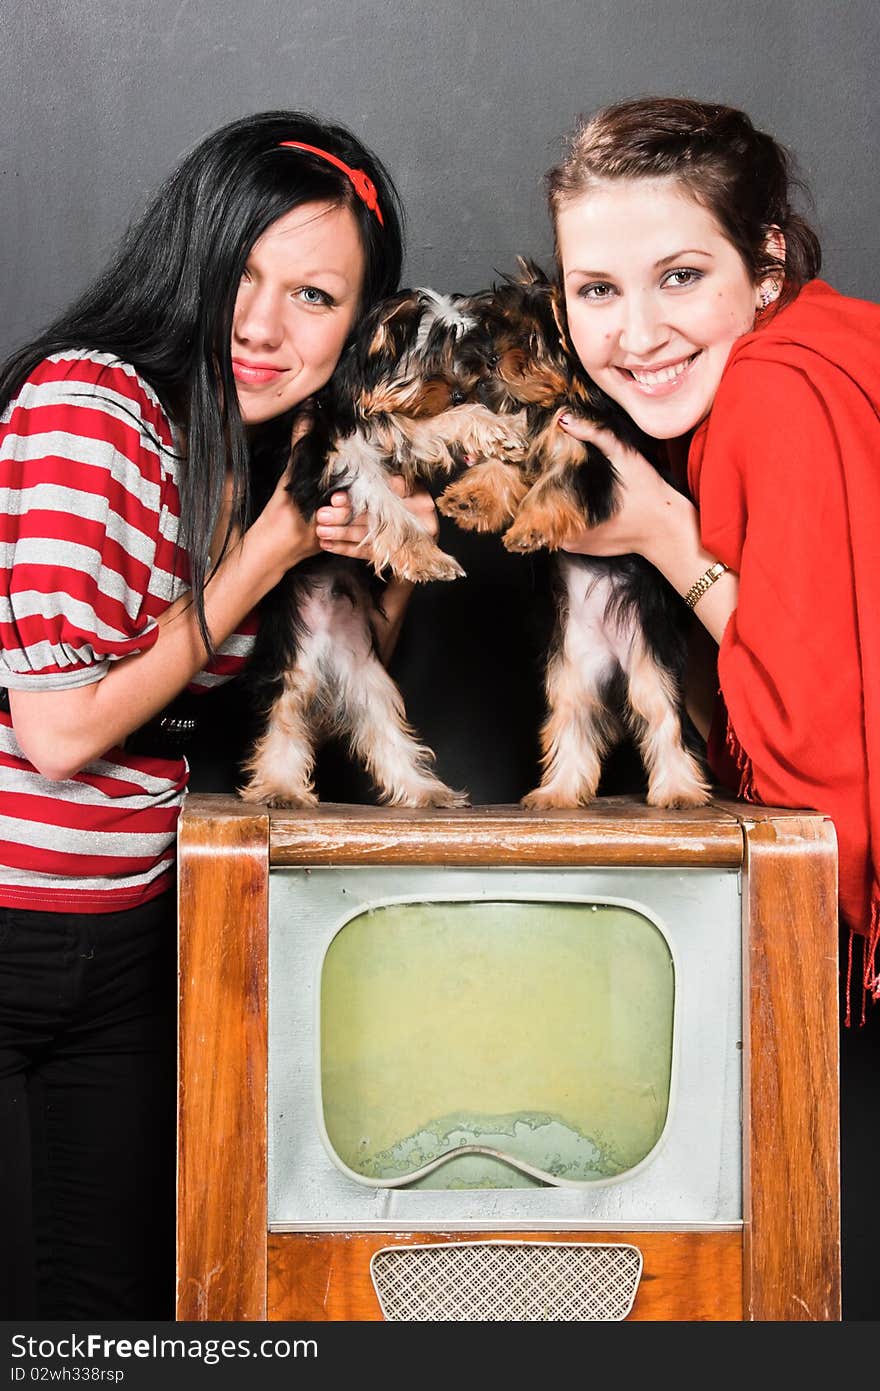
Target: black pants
x=87 y=1113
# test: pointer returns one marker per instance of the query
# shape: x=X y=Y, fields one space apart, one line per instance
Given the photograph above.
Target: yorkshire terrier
x=617 y=656
x=402 y=401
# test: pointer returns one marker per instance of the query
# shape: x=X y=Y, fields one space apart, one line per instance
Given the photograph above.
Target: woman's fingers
x=590 y=433
x=343 y=533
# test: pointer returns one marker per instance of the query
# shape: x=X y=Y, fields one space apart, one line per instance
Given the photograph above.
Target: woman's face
x=296 y=304
x=656 y=297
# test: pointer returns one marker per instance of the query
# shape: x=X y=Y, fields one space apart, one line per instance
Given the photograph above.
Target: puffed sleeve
x=81 y=480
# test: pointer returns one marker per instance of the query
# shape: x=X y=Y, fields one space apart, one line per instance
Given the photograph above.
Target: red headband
x=363 y=184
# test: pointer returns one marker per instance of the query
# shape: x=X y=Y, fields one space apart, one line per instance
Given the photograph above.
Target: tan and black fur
x=619 y=647
x=403 y=401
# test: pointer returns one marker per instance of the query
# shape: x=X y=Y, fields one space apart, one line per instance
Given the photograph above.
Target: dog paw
x=267 y=795
x=678 y=783
x=553 y=799
x=678 y=798
x=523 y=538
x=420 y=569
x=494 y=439
x=449 y=797
x=470 y=512
x=427 y=793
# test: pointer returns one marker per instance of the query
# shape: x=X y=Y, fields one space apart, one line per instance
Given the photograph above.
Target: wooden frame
x=785 y=1262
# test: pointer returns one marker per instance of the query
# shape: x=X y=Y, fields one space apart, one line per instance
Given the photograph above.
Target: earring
x=769 y=292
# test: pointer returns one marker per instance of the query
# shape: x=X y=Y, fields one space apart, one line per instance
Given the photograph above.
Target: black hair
x=165 y=302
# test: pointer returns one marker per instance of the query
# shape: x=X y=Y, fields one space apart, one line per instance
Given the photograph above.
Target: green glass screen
x=539 y=1031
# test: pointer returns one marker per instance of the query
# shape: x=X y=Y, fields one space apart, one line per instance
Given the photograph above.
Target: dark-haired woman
x=131 y=569
x=690 y=290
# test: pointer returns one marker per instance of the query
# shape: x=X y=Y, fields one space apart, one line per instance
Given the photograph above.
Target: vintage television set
x=488 y=1064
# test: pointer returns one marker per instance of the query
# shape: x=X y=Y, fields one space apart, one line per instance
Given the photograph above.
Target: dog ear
x=530 y=273
x=558 y=305
x=390 y=329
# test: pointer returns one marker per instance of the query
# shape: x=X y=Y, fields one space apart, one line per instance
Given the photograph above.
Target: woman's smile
x=655 y=295
x=661 y=380
x=255 y=373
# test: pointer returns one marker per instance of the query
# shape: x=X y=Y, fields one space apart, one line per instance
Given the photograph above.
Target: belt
x=166 y=735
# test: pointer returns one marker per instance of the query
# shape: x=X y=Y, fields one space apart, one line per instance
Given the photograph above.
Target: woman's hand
x=341 y=533
x=648 y=506
x=658 y=523
x=284 y=536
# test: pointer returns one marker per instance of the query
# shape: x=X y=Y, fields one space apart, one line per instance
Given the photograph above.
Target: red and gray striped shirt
x=89 y=557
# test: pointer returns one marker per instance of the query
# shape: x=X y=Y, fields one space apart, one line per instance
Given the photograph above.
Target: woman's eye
x=310 y=294
x=598 y=290
x=680 y=278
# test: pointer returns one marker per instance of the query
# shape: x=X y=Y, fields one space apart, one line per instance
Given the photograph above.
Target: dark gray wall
x=465 y=101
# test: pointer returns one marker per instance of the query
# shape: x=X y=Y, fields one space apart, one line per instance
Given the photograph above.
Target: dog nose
x=485 y=393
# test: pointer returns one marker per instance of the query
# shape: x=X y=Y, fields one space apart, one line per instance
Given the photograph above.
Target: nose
x=258 y=319
x=643 y=328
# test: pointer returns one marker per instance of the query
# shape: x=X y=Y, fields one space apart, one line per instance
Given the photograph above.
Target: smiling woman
x=131 y=567
x=296 y=306
x=691 y=297
x=655 y=327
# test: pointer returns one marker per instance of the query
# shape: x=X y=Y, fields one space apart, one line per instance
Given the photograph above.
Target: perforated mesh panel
x=487 y=1281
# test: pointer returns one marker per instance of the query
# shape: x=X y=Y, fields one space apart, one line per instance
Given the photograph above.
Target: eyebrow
x=677 y=255
x=658 y=265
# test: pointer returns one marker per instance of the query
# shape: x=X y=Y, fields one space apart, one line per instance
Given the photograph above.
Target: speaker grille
x=489 y=1281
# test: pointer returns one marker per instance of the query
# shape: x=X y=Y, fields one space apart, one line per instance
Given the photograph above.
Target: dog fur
x=402 y=401
x=619 y=646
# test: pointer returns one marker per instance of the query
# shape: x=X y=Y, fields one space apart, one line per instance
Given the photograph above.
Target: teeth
x=666 y=374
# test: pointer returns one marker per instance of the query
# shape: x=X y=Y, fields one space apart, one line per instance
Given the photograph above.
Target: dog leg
x=574 y=739
x=283 y=759
x=368 y=707
x=380 y=735
x=399 y=542
x=674 y=775
x=579 y=728
x=551 y=510
x=485 y=498
x=437 y=443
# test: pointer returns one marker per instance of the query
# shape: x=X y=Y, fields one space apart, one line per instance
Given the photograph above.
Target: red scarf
x=786 y=474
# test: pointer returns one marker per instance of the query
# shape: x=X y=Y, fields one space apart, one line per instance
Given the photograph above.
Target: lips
x=255 y=373
x=662 y=380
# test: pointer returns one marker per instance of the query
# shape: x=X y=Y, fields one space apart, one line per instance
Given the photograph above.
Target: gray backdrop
x=464 y=100
x=466 y=103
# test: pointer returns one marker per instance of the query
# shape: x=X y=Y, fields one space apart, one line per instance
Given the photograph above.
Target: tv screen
x=495 y=1044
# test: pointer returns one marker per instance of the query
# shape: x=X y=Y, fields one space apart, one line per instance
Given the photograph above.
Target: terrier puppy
x=618 y=651
x=401 y=402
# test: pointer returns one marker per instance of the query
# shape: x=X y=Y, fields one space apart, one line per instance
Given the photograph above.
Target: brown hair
x=740 y=174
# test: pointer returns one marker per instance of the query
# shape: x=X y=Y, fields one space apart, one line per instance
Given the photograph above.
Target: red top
x=89 y=558
x=786 y=474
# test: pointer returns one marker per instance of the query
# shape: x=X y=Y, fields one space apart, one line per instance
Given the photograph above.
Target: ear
x=774 y=245
x=769 y=285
